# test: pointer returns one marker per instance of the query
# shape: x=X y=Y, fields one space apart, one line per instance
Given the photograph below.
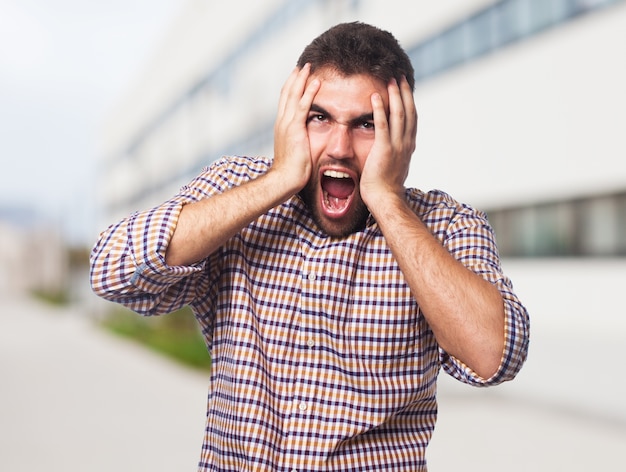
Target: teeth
x=336 y=174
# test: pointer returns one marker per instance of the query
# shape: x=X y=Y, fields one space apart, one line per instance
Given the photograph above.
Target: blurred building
x=520 y=105
x=32 y=258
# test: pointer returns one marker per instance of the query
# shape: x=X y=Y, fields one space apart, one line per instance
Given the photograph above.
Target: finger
x=292 y=90
x=381 y=124
x=284 y=91
x=410 y=112
x=296 y=90
x=308 y=96
x=396 y=113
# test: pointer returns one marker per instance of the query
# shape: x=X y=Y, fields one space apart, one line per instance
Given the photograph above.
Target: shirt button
x=311 y=276
x=302 y=406
x=310 y=342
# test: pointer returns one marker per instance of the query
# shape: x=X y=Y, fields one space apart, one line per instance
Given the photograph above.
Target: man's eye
x=367 y=125
x=317 y=117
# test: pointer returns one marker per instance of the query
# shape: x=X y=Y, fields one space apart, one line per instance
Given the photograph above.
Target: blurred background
x=108 y=108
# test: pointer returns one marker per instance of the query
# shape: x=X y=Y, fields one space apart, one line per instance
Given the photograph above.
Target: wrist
x=383 y=197
x=281 y=184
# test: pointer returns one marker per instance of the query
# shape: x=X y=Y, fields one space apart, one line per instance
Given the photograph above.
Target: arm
x=148 y=260
x=205 y=225
x=464 y=311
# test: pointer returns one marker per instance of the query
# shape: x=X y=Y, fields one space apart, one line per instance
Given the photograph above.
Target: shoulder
x=242 y=166
x=425 y=202
x=229 y=171
x=222 y=174
x=441 y=211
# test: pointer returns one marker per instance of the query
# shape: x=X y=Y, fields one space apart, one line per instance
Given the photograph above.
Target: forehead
x=345 y=93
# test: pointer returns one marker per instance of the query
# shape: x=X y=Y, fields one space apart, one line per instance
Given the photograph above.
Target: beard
x=354 y=221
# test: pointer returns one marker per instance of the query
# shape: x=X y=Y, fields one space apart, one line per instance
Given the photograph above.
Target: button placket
x=303 y=418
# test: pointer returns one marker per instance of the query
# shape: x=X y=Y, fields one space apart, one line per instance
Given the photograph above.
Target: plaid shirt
x=321 y=357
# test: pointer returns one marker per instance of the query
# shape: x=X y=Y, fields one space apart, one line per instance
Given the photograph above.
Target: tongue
x=338 y=188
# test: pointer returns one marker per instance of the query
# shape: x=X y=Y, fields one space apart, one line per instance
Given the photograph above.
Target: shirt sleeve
x=470 y=239
x=128 y=263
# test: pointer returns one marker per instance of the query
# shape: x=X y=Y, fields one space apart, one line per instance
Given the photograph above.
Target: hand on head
x=387 y=165
x=291 y=143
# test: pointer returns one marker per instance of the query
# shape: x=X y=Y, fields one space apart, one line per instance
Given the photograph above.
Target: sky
x=63 y=65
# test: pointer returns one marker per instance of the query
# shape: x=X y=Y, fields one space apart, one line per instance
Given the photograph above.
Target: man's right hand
x=292 y=154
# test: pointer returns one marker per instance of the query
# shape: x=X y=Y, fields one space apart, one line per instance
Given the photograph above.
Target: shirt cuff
x=150 y=233
x=513 y=356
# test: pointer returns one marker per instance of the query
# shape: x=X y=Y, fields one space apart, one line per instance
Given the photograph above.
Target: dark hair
x=359 y=48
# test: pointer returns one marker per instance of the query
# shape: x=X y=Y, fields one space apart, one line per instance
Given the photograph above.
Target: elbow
x=101 y=288
x=105 y=283
x=488 y=354
x=491 y=350
x=97 y=281
x=488 y=363
x=484 y=358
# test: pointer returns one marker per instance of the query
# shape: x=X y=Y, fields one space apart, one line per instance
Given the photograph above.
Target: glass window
x=479 y=33
x=584 y=5
x=599 y=227
x=453 y=46
x=431 y=56
x=590 y=227
x=512 y=20
x=555 y=229
x=420 y=57
x=621 y=225
x=541 y=14
x=563 y=9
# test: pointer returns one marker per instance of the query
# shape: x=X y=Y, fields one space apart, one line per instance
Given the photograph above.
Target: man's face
x=341 y=133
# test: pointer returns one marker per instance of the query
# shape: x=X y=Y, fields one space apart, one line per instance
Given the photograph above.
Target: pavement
x=75 y=398
x=566 y=410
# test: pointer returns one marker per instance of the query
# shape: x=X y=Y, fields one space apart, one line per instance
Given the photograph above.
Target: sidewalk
x=566 y=410
x=76 y=399
x=499 y=429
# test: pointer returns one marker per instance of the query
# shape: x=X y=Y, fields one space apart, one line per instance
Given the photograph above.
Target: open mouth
x=337 y=191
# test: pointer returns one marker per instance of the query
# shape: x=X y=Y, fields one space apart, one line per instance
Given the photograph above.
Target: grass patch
x=56 y=298
x=176 y=335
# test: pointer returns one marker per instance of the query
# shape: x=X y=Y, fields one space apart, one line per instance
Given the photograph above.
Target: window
x=595 y=226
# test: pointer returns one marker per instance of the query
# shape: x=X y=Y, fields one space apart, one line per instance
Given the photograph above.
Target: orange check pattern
x=321 y=357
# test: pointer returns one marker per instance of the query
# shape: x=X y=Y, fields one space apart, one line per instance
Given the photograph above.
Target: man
x=329 y=294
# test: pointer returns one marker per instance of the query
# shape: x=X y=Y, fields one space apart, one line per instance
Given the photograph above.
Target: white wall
x=539 y=120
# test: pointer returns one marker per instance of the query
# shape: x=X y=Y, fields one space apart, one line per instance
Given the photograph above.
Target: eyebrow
x=354 y=121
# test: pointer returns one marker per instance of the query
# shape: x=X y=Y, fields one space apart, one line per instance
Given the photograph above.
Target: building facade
x=33 y=259
x=519 y=101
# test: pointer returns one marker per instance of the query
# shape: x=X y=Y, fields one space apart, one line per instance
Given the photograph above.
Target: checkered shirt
x=321 y=357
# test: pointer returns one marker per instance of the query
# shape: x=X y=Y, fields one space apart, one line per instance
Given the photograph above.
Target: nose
x=339 y=145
